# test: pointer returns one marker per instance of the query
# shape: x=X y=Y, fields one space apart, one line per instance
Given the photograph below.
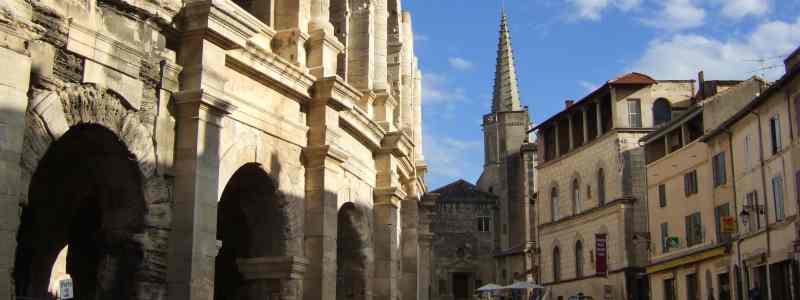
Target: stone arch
x=83 y=124
x=354 y=253
x=253 y=225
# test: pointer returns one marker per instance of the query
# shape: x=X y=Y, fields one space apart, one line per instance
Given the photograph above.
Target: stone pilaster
x=385 y=229
x=410 y=244
x=207 y=32
x=381 y=42
x=323 y=53
x=323 y=171
x=291 y=24
x=273 y=277
x=385 y=106
x=426 y=214
x=360 y=46
x=14 y=82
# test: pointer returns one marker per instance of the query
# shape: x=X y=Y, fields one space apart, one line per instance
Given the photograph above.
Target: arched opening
x=601 y=187
x=85 y=207
x=556 y=264
x=352 y=254
x=576 y=197
x=578 y=259
x=662 y=111
x=554 y=203
x=252 y=223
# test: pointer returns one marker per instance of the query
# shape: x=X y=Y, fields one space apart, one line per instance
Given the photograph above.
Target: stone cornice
x=363 y=127
x=389 y=196
x=397 y=143
x=385 y=97
x=205 y=98
x=105 y=50
x=320 y=36
x=319 y=153
x=338 y=94
x=268 y=67
x=221 y=21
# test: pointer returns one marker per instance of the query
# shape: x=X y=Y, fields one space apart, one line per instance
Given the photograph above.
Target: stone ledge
x=273 y=267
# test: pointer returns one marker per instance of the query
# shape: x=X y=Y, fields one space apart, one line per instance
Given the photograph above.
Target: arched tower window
x=556 y=264
x=576 y=197
x=662 y=111
x=601 y=187
x=554 y=203
x=578 y=259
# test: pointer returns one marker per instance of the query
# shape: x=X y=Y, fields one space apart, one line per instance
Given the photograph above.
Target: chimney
x=568 y=103
x=793 y=61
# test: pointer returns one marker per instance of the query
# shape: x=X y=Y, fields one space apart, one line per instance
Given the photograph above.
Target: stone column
x=585 y=125
x=426 y=214
x=385 y=228
x=380 y=36
x=599 y=116
x=407 y=73
x=361 y=45
x=323 y=47
x=272 y=277
x=291 y=24
x=557 y=138
x=14 y=82
x=570 y=135
x=418 y=111
x=323 y=172
x=410 y=241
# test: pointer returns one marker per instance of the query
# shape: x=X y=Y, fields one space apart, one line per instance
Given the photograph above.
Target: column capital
x=391 y=196
x=335 y=92
x=205 y=98
x=272 y=267
x=325 y=153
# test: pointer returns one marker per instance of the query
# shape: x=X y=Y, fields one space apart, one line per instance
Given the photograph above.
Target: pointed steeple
x=506 y=92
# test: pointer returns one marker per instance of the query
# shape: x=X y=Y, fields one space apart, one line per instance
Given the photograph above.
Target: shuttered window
x=690 y=183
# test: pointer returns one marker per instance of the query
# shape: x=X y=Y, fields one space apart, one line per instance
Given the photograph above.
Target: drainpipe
x=766 y=202
x=735 y=211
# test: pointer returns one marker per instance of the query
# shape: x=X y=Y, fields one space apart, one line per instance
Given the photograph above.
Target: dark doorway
x=461 y=289
x=780 y=281
x=724 y=281
x=251 y=223
x=352 y=254
x=86 y=203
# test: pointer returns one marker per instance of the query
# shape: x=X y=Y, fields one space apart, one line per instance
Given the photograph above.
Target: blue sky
x=566 y=48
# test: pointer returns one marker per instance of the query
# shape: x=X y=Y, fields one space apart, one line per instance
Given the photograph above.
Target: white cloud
x=418 y=37
x=737 y=9
x=593 y=9
x=448 y=156
x=436 y=89
x=459 y=63
x=683 y=55
x=677 y=15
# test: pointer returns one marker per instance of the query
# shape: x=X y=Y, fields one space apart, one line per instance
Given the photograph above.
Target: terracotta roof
x=633 y=78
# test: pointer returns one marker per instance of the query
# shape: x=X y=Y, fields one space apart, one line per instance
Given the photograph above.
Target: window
x=692 y=287
x=601 y=187
x=720 y=212
x=775 y=134
x=694 y=229
x=554 y=203
x=690 y=183
x=578 y=259
x=751 y=200
x=747 y=155
x=662 y=112
x=576 y=197
x=718 y=166
x=777 y=196
x=556 y=264
x=662 y=195
x=669 y=289
x=664 y=238
x=635 y=113
x=484 y=224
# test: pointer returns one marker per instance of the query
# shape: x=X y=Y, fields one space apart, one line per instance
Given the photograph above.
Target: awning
x=489 y=287
x=523 y=285
x=688 y=259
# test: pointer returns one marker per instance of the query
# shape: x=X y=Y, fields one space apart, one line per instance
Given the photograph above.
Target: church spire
x=506 y=92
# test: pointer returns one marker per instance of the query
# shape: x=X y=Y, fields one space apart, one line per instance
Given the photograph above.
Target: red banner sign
x=601 y=254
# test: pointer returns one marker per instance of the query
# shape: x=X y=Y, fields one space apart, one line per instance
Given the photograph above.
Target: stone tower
x=504 y=131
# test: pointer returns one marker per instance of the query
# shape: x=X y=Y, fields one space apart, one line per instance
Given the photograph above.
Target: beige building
x=690 y=194
x=591 y=191
x=211 y=149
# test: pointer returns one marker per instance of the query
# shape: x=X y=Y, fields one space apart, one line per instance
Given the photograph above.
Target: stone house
x=211 y=149
x=464 y=240
x=590 y=203
x=690 y=196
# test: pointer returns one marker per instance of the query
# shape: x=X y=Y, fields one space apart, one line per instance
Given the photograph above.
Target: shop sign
x=601 y=254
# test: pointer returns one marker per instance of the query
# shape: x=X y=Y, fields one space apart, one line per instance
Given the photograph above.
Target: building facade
x=464 y=239
x=691 y=200
x=217 y=149
x=590 y=202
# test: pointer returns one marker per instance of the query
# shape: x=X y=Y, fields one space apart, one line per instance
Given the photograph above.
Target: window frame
x=635 y=116
x=775 y=134
x=554 y=204
x=694 y=229
x=579 y=262
x=778 y=198
x=719 y=169
x=576 y=196
x=664 y=237
x=690 y=183
x=556 y=264
x=601 y=187
x=662 y=195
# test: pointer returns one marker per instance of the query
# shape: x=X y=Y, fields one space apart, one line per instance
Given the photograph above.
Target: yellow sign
x=674 y=263
x=728 y=225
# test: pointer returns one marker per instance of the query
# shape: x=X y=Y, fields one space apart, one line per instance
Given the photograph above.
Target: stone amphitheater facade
x=211 y=149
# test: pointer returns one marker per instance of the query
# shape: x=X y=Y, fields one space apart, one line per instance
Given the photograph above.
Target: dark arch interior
x=662 y=111
x=86 y=193
x=251 y=223
x=351 y=254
